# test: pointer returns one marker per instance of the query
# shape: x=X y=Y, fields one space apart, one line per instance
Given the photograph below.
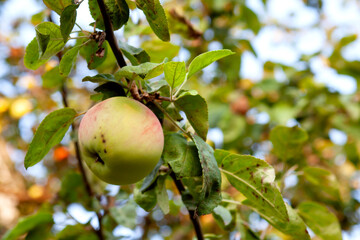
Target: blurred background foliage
x=297 y=63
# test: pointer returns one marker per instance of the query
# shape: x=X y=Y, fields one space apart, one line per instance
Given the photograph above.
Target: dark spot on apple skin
x=98 y=159
x=105 y=151
x=103 y=139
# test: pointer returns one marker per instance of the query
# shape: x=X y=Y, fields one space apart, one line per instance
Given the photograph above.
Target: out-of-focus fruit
x=60 y=154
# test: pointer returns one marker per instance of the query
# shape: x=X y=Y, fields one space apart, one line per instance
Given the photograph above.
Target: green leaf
x=161 y=194
x=38 y=18
x=89 y=52
x=135 y=55
x=150 y=179
x=224 y=217
x=67 y=21
x=250 y=18
x=53 y=78
x=254 y=178
x=156 y=17
x=68 y=61
x=287 y=142
x=49 y=39
x=141 y=70
x=323 y=180
x=174 y=73
x=323 y=222
x=294 y=226
x=117 y=10
x=159 y=50
x=196 y=111
x=42 y=40
x=100 y=78
x=205 y=59
x=110 y=89
x=125 y=215
x=40 y=232
x=32 y=55
x=78 y=232
x=156 y=86
x=210 y=192
x=146 y=200
x=57 y=5
x=26 y=224
x=32 y=58
x=182 y=156
x=156 y=71
x=50 y=132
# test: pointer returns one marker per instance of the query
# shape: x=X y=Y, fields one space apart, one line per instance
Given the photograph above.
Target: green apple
x=121 y=140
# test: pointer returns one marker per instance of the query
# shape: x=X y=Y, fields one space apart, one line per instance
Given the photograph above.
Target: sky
x=272 y=43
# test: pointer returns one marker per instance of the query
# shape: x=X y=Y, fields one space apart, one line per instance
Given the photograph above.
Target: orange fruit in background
x=60 y=154
x=36 y=191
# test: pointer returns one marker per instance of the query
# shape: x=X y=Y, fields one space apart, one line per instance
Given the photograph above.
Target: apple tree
x=280 y=178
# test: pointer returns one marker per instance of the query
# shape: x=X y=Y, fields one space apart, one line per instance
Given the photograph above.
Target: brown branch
x=191 y=31
x=110 y=37
x=99 y=232
x=193 y=216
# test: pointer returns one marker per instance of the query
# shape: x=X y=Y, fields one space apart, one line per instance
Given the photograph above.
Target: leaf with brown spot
x=259 y=175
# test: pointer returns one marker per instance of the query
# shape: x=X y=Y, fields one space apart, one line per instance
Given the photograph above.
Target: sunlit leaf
x=323 y=222
x=50 y=132
x=211 y=177
x=159 y=50
x=196 y=111
x=254 y=178
x=294 y=226
x=224 y=217
x=174 y=73
x=156 y=17
x=141 y=70
x=53 y=78
x=323 y=180
x=117 y=10
x=287 y=141
x=68 y=61
x=26 y=224
x=146 y=200
x=135 y=55
x=161 y=194
x=67 y=20
x=125 y=215
x=49 y=39
x=57 y=5
x=205 y=59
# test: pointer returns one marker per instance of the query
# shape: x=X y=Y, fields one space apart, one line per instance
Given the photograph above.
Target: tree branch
x=193 y=216
x=110 y=37
x=89 y=190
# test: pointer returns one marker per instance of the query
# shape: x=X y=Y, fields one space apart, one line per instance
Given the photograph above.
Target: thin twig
x=193 y=216
x=110 y=37
x=89 y=190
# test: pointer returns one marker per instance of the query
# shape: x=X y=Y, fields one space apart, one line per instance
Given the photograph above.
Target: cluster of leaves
x=223 y=183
